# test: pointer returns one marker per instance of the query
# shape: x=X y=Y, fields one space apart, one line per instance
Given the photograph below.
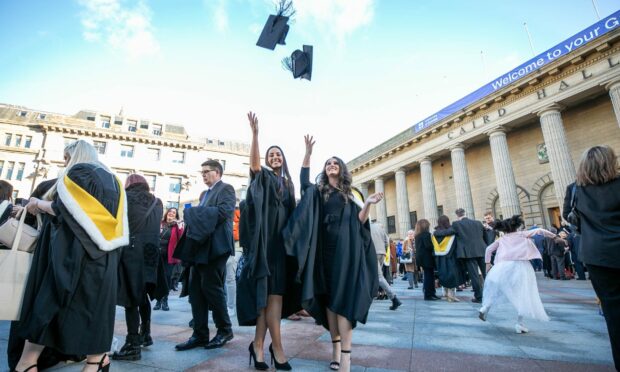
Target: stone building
x=512 y=151
x=32 y=143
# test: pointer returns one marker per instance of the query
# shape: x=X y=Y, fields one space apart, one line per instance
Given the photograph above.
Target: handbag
x=13 y=229
x=14 y=269
x=573 y=216
x=406 y=258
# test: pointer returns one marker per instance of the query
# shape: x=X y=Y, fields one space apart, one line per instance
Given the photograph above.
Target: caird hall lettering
x=477 y=123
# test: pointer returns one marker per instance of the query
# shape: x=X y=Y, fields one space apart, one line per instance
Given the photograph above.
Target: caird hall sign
x=576 y=41
x=583 y=76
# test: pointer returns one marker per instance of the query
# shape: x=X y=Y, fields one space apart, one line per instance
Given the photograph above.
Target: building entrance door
x=549 y=207
x=555 y=217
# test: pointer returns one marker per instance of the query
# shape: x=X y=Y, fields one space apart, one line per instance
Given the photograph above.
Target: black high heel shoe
x=27 y=369
x=279 y=366
x=334 y=365
x=100 y=365
x=261 y=366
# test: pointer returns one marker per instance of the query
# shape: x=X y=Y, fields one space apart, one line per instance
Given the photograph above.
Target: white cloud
x=339 y=17
x=220 y=16
x=120 y=27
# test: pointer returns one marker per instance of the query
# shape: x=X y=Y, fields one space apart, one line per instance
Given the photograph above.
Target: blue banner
x=576 y=41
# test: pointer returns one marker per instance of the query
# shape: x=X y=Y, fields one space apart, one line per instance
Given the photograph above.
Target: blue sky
x=380 y=66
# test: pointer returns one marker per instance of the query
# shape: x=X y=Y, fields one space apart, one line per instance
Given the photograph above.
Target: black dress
x=336 y=257
x=267 y=270
x=70 y=298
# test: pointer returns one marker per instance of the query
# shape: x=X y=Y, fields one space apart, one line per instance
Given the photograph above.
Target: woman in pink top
x=512 y=278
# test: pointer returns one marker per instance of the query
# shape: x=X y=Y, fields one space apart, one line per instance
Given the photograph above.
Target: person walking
x=70 y=298
x=141 y=272
x=470 y=247
x=170 y=233
x=558 y=250
x=448 y=270
x=597 y=202
x=409 y=254
x=329 y=234
x=425 y=258
x=512 y=278
x=266 y=289
x=206 y=244
x=381 y=241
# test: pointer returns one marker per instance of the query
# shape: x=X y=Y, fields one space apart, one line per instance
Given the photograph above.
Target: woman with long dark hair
x=512 y=278
x=425 y=258
x=140 y=271
x=170 y=233
x=597 y=200
x=329 y=234
x=266 y=288
x=444 y=245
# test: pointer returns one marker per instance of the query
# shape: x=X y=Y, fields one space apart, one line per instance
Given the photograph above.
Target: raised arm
x=372 y=199
x=489 y=252
x=254 y=152
x=305 y=166
x=546 y=233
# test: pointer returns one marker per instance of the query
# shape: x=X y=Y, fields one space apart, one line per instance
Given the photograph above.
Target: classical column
x=380 y=206
x=402 y=203
x=461 y=180
x=428 y=192
x=614 y=94
x=562 y=167
x=504 y=175
x=364 y=189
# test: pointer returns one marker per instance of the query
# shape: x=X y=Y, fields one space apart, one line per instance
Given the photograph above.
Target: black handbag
x=573 y=216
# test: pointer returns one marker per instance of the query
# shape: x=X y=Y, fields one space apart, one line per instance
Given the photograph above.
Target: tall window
x=144 y=124
x=100 y=147
x=20 y=171
x=178 y=157
x=175 y=185
x=1 y=167
x=157 y=129
x=440 y=210
x=154 y=154
x=118 y=121
x=151 y=179
x=132 y=126
x=7 y=139
x=126 y=151
x=9 y=170
x=42 y=116
x=105 y=122
x=391 y=227
x=28 y=142
x=18 y=140
x=413 y=217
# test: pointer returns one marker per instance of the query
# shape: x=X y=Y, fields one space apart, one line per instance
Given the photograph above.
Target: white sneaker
x=519 y=328
x=482 y=313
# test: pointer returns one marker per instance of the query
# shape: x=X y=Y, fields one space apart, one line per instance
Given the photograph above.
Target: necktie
x=204 y=198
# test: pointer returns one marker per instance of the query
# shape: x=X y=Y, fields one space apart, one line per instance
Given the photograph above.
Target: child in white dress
x=512 y=277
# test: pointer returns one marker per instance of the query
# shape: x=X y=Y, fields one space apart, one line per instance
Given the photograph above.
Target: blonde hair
x=598 y=165
x=78 y=152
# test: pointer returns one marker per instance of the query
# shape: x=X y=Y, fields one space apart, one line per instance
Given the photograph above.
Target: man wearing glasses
x=206 y=244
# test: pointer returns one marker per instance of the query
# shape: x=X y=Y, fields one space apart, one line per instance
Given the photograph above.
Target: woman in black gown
x=329 y=234
x=266 y=288
x=70 y=299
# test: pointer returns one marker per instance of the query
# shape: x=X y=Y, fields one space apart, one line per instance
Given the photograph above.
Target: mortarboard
x=300 y=63
x=274 y=32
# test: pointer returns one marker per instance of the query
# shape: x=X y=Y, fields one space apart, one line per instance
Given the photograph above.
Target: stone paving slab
x=419 y=336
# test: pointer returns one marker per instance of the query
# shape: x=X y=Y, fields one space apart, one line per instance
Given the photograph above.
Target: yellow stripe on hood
x=111 y=227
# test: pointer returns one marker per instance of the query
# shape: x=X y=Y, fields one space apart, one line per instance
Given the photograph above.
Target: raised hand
x=309 y=143
x=375 y=198
x=253 y=122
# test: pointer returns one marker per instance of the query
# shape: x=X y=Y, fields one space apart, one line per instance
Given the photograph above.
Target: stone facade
x=163 y=153
x=514 y=151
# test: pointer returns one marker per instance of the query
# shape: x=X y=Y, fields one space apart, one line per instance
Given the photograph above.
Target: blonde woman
x=411 y=269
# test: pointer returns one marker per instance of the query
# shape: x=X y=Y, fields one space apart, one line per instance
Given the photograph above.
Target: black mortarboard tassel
x=276 y=28
x=300 y=63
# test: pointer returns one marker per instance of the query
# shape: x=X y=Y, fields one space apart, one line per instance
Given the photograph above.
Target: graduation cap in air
x=300 y=63
x=276 y=28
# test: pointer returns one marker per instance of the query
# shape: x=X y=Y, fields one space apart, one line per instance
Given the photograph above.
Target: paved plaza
x=419 y=336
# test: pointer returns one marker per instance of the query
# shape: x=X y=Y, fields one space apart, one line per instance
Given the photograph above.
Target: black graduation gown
x=70 y=298
x=354 y=279
x=447 y=265
x=141 y=268
x=267 y=269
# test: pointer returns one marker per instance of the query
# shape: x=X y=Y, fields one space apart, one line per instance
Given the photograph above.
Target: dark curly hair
x=509 y=225
x=344 y=181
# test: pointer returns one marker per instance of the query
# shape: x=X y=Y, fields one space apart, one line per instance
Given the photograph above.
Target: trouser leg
x=382 y=282
x=132 y=318
x=606 y=283
x=198 y=301
x=474 y=277
x=214 y=281
x=429 y=282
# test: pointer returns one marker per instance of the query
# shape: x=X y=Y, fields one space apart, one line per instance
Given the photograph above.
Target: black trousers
x=207 y=292
x=429 y=282
x=472 y=265
x=133 y=315
x=606 y=283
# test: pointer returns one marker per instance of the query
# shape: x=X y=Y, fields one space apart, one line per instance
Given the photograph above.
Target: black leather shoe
x=219 y=341
x=476 y=300
x=193 y=342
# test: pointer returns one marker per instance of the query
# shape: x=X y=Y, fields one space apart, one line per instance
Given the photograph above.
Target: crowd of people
x=103 y=243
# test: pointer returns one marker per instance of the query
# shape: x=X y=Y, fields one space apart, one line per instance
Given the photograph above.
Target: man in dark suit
x=206 y=244
x=470 y=247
